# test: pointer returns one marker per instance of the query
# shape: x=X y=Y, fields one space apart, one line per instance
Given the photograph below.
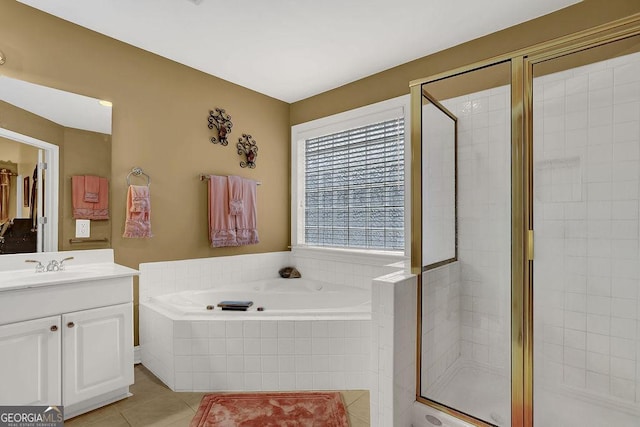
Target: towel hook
x=138 y=172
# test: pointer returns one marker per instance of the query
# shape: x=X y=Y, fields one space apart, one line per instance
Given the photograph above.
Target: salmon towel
x=246 y=228
x=138 y=215
x=84 y=209
x=222 y=230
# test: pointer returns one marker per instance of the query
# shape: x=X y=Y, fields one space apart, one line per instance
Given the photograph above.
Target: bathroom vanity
x=66 y=336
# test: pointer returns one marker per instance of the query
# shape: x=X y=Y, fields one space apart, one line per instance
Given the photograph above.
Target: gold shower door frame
x=522 y=254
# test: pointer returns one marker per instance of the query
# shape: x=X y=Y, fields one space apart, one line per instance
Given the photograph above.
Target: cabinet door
x=98 y=352
x=30 y=362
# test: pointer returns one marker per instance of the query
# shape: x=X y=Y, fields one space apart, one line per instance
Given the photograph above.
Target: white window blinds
x=354 y=188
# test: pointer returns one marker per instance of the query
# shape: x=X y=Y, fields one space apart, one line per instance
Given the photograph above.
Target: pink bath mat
x=301 y=409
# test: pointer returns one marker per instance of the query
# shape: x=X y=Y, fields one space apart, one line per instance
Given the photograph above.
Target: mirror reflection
x=47 y=136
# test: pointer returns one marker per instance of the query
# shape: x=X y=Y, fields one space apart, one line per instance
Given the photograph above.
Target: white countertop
x=11 y=280
x=89 y=265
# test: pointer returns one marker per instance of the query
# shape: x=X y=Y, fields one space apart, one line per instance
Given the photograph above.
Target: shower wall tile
x=587 y=239
x=484 y=235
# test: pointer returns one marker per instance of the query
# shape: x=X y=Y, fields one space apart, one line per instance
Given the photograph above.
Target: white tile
x=201 y=364
x=269 y=364
x=217 y=346
x=575 y=377
x=598 y=343
x=575 y=357
x=302 y=329
x=199 y=329
x=623 y=388
x=304 y=381
x=252 y=346
x=623 y=328
x=302 y=346
x=623 y=368
x=184 y=381
x=218 y=381
x=252 y=364
x=624 y=348
x=269 y=329
x=251 y=329
x=624 y=308
x=598 y=324
x=182 y=329
x=270 y=381
x=287 y=381
x=183 y=364
x=235 y=346
x=269 y=346
x=598 y=382
x=218 y=363
x=575 y=339
x=597 y=362
x=217 y=329
x=286 y=346
x=235 y=363
x=285 y=329
x=234 y=329
x=200 y=381
x=286 y=364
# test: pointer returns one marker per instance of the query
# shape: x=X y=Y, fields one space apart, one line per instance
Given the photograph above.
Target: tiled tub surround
x=586 y=213
x=256 y=353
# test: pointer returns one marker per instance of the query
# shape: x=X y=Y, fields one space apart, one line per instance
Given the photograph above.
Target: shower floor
x=477 y=392
x=487 y=395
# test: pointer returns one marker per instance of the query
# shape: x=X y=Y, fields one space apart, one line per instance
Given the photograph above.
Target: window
x=350 y=177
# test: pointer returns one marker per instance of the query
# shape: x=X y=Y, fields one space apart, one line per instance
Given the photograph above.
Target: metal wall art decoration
x=247 y=146
x=219 y=119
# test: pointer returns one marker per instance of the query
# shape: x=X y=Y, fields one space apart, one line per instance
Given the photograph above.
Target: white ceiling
x=293 y=49
x=64 y=108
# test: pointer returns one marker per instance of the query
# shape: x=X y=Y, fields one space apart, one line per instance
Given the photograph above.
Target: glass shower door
x=466 y=244
x=586 y=270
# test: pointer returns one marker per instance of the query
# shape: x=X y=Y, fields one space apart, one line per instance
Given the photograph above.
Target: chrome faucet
x=61 y=263
x=39 y=267
x=53 y=265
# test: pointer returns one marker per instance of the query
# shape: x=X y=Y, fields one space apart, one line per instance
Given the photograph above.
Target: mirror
x=70 y=133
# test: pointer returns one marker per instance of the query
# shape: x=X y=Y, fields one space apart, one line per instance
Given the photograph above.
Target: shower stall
x=526 y=234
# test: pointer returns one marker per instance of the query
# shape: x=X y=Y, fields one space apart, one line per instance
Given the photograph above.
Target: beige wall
x=159 y=124
x=395 y=82
x=85 y=153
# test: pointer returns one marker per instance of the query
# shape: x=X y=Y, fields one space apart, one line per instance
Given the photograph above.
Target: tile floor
x=154 y=405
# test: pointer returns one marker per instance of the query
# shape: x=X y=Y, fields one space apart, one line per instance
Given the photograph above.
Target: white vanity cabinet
x=30 y=363
x=98 y=352
x=66 y=338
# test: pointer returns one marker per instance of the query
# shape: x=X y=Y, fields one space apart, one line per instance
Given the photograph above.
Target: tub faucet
x=39 y=267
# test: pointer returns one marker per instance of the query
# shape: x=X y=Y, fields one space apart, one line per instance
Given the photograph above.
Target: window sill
x=368 y=257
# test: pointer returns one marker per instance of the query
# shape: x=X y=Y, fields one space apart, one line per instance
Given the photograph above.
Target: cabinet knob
x=53 y=328
x=70 y=325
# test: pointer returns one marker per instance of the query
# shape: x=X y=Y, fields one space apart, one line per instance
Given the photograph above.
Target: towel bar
x=103 y=240
x=205 y=177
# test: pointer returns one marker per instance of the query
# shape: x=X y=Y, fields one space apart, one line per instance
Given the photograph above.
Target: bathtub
x=310 y=335
x=273 y=298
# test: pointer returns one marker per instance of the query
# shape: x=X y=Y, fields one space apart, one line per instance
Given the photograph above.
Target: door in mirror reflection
x=466 y=279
